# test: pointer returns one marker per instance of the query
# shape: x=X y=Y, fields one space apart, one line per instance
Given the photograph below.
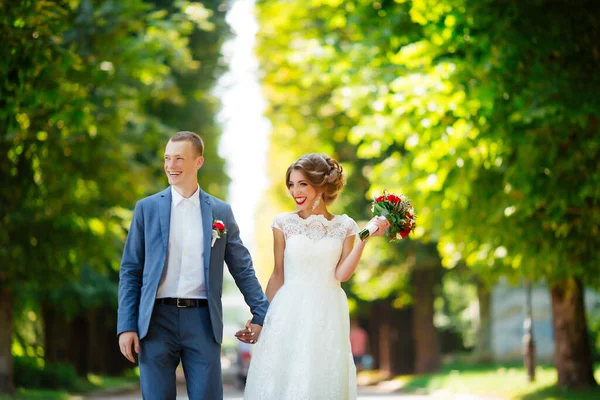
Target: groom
x=172 y=276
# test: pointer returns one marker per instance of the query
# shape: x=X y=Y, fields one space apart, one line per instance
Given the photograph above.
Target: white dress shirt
x=183 y=276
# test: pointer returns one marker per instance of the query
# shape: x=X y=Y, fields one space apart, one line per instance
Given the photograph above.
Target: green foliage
x=384 y=273
x=194 y=107
x=37 y=394
x=302 y=78
x=33 y=373
x=92 y=290
x=454 y=310
x=482 y=113
x=506 y=381
x=594 y=330
x=80 y=81
x=90 y=90
x=487 y=125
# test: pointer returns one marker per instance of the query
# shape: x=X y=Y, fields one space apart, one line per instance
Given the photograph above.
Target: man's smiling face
x=182 y=163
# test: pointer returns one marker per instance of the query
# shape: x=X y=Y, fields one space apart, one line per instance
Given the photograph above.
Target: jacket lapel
x=207 y=218
x=164 y=214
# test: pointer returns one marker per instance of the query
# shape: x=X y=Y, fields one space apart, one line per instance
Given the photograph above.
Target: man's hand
x=250 y=333
x=126 y=340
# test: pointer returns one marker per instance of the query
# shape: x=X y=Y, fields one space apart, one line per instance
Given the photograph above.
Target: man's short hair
x=196 y=140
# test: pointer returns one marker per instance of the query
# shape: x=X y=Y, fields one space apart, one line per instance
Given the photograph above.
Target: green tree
x=195 y=106
x=305 y=55
x=482 y=112
x=76 y=135
x=492 y=111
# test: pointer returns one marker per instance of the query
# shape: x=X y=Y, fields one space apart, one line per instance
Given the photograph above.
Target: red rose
x=219 y=226
x=393 y=198
x=379 y=199
x=405 y=233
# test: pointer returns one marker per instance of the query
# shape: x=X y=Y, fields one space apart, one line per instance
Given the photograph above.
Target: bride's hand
x=382 y=224
x=250 y=333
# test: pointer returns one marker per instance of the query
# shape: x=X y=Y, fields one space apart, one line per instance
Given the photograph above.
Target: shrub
x=31 y=373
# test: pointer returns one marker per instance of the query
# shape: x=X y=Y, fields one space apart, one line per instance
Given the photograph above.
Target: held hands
x=249 y=334
x=382 y=224
x=126 y=341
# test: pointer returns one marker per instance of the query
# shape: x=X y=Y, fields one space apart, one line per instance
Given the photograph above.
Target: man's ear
x=199 y=162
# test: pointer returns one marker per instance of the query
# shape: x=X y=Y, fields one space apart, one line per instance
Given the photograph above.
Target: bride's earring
x=316 y=203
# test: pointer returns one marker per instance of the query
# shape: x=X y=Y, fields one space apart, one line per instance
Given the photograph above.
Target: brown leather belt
x=183 y=303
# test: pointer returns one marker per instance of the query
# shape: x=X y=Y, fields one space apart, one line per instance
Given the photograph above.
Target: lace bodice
x=313 y=247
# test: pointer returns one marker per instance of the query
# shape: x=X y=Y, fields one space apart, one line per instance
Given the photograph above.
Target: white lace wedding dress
x=303 y=352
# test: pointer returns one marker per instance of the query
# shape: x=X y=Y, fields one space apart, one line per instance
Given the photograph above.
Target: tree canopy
x=85 y=89
x=483 y=113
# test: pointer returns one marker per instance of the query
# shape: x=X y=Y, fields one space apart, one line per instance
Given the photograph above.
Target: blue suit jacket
x=145 y=256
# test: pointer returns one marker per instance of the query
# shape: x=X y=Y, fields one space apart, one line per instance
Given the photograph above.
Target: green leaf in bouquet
x=378 y=209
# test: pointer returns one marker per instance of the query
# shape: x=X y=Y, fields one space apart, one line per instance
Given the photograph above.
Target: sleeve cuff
x=128 y=326
x=258 y=320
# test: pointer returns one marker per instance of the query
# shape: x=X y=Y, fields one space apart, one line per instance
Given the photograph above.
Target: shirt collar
x=177 y=198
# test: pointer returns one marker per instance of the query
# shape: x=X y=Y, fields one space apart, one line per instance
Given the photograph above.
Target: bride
x=304 y=347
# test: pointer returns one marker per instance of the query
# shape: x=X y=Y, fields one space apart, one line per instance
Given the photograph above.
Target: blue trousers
x=180 y=334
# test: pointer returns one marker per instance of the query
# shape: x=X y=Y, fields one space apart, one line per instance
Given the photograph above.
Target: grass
x=92 y=384
x=496 y=382
x=108 y=383
x=38 y=394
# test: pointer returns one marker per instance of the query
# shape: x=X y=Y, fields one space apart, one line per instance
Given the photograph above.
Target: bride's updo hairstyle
x=322 y=172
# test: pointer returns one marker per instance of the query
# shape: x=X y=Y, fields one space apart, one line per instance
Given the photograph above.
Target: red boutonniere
x=218 y=230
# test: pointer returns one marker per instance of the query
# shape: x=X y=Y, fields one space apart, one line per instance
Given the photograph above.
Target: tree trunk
x=384 y=339
x=528 y=335
x=572 y=353
x=6 y=362
x=373 y=328
x=96 y=352
x=56 y=335
x=404 y=349
x=103 y=350
x=65 y=340
x=87 y=342
x=394 y=339
x=427 y=346
x=79 y=341
x=483 y=348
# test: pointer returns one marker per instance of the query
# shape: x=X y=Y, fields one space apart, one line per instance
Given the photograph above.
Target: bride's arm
x=351 y=254
x=276 y=280
x=349 y=260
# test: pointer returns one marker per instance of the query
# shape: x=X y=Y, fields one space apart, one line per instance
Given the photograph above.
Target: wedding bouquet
x=398 y=211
